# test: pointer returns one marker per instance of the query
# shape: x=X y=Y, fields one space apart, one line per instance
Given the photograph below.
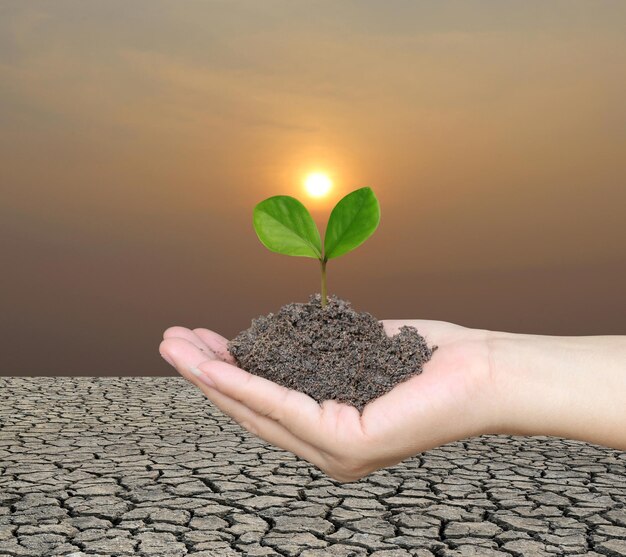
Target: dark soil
x=330 y=353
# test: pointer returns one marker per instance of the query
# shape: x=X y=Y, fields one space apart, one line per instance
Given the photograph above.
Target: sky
x=137 y=137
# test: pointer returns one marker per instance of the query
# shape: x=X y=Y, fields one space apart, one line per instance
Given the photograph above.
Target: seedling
x=284 y=225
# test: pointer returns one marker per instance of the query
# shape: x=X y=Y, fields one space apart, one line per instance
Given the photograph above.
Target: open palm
x=450 y=400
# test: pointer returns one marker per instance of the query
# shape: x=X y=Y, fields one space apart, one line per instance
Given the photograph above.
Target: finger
x=183 y=354
x=295 y=411
x=191 y=336
x=186 y=356
x=435 y=332
x=217 y=343
x=261 y=426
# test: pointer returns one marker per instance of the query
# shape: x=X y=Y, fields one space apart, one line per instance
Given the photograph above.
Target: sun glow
x=317 y=184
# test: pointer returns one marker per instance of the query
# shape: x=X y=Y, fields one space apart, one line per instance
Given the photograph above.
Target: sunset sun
x=317 y=184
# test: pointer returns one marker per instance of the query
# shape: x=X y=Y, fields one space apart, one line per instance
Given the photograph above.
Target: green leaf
x=285 y=226
x=351 y=222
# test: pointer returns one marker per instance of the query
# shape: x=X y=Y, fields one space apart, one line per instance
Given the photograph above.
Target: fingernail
x=167 y=359
x=202 y=376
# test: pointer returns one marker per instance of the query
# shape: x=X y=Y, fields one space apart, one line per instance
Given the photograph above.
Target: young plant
x=284 y=225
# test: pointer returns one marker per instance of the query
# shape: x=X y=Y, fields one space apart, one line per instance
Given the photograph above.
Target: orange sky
x=136 y=138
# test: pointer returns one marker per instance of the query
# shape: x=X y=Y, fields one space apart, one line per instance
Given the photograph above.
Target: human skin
x=477 y=382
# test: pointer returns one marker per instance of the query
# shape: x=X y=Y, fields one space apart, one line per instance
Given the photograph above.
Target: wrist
x=516 y=410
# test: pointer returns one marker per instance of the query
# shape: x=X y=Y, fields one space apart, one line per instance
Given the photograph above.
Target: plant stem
x=323 y=262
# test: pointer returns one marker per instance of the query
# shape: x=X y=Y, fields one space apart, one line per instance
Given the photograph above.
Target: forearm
x=573 y=387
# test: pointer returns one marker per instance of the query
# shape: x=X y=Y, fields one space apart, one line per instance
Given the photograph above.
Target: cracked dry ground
x=146 y=466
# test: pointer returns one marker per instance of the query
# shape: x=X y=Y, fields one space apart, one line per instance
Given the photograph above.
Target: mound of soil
x=330 y=353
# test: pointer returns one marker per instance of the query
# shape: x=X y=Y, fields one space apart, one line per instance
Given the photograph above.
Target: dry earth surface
x=146 y=466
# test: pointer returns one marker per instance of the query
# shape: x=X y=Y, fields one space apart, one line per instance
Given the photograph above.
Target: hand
x=453 y=398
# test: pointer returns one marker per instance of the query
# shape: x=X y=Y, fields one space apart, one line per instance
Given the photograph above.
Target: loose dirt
x=330 y=353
